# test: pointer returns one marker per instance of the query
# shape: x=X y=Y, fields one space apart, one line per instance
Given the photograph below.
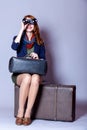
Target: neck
x=29 y=35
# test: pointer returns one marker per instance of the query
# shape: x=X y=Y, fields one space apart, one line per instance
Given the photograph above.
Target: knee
x=35 y=80
x=27 y=79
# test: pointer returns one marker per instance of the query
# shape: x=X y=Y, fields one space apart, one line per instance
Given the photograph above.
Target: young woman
x=27 y=42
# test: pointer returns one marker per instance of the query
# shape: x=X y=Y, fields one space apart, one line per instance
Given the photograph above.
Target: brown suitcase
x=53 y=102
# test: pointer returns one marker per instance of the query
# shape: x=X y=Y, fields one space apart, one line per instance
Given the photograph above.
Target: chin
x=29 y=30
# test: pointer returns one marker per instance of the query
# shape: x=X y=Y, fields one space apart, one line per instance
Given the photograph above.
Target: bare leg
x=24 y=81
x=35 y=81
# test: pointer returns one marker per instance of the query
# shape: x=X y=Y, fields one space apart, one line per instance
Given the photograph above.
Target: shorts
x=14 y=78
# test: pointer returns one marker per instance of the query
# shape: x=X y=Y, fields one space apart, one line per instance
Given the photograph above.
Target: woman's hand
x=23 y=26
x=34 y=55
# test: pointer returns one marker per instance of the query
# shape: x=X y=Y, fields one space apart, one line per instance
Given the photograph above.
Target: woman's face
x=30 y=28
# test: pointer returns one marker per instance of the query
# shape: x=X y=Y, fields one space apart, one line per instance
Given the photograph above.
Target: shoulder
x=42 y=44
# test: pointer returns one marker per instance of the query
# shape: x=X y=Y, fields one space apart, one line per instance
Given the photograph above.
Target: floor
x=7 y=121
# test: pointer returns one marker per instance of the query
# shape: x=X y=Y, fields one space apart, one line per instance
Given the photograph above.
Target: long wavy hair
x=36 y=30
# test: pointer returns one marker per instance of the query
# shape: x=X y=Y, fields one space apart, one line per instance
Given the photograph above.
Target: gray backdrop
x=63 y=26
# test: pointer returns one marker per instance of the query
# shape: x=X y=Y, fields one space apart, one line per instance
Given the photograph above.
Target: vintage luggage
x=27 y=65
x=53 y=102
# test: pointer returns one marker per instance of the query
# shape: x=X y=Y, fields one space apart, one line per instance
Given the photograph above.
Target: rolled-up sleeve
x=14 y=45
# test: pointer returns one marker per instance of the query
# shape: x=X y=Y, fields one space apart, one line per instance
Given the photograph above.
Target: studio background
x=63 y=26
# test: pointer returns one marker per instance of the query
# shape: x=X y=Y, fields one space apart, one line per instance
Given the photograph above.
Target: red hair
x=36 y=30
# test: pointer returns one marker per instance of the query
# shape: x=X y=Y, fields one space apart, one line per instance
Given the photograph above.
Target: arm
x=17 y=39
x=42 y=52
